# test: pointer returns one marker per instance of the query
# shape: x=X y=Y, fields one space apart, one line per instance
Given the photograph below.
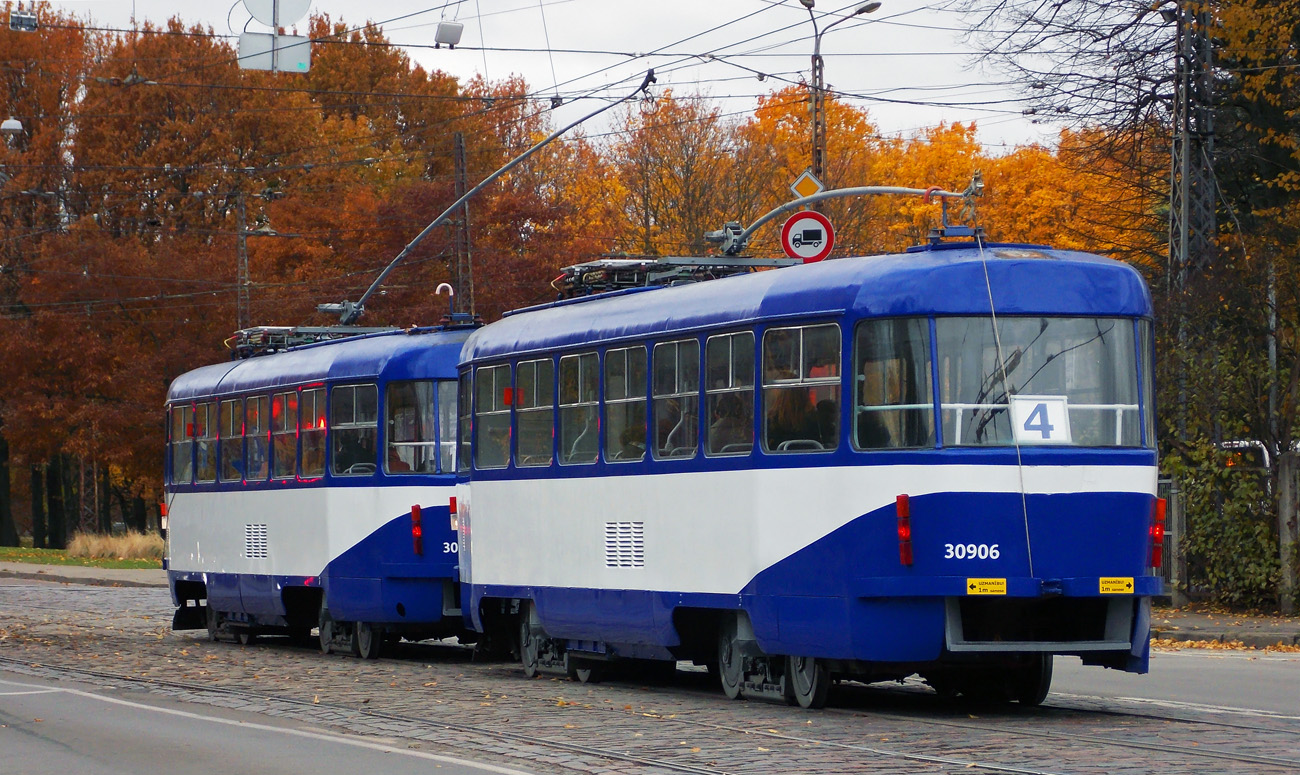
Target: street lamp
x=11 y=127
x=818 y=85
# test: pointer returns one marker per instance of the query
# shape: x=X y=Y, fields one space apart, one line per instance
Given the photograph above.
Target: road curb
x=1248 y=639
x=91 y=581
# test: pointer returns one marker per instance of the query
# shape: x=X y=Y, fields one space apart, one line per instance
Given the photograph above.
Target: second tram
x=310 y=488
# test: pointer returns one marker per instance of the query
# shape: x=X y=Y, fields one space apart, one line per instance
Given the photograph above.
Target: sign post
x=808 y=236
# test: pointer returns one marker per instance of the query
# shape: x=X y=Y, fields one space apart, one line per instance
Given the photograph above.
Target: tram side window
x=257 y=430
x=801 y=388
x=354 y=426
x=492 y=417
x=446 y=425
x=464 y=391
x=412 y=432
x=579 y=400
x=625 y=404
x=534 y=409
x=182 y=444
x=232 y=440
x=729 y=393
x=284 y=435
x=313 y=432
x=676 y=399
x=205 y=442
x=894 y=402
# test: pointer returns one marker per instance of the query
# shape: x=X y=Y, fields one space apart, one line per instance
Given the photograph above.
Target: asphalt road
x=1221 y=680
x=60 y=726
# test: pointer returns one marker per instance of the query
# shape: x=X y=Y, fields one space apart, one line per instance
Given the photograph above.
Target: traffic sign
x=808 y=236
x=806 y=185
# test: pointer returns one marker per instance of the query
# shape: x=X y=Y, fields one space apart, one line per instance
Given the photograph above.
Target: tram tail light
x=903 y=506
x=417 y=532
x=1158 y=534
x=455 y=516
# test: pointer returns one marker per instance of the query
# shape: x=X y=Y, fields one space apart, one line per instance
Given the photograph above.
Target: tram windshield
x=1039 y=380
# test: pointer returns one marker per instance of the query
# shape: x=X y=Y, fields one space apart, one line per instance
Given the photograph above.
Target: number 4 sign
x=1040 y=419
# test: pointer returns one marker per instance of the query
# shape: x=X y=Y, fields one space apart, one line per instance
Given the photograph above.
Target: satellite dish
x=290 y=10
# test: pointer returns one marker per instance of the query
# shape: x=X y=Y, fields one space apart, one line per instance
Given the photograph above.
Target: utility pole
x=241 y=272
x=464 y=299
x=819 y=84
x=1192 y=222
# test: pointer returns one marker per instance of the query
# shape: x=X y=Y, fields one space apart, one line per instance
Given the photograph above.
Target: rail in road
x=435 y=697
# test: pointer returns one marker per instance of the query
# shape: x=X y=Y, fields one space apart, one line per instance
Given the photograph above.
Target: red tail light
x=455 y=516
x=1158 y=534
x=417 y=532
x=904 y=508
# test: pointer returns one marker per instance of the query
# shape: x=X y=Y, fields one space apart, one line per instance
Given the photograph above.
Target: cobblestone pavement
x=433 y=697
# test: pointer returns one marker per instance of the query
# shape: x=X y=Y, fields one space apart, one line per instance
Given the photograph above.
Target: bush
x=127 y=546
x=1231 y=541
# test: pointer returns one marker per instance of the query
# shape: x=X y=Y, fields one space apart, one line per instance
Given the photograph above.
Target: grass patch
x=139 y=557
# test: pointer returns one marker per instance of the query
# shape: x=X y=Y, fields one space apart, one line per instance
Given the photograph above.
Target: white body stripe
x=714 y=532
x=306 y=527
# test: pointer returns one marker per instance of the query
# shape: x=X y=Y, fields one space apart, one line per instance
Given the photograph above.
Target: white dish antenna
x=288 y=11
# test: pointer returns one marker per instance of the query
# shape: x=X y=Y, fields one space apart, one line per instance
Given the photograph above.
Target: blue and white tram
x=311 y=487
x=940 y=462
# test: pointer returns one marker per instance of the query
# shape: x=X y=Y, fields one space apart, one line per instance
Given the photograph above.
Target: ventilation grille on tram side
x=255 y=541
x=624 y=544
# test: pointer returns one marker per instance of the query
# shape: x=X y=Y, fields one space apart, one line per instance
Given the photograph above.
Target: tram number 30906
x=971 y=552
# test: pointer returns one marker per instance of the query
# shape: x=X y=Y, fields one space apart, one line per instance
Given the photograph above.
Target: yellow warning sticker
x=986 y=586
x=1117 y=586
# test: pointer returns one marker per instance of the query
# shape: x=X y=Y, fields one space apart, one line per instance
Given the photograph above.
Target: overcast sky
x=905 y=53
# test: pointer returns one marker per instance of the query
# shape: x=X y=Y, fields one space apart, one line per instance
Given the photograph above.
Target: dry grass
x=128 y=546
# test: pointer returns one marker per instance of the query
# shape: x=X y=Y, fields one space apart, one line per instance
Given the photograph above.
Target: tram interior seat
x=729 y=449
x=791 y=445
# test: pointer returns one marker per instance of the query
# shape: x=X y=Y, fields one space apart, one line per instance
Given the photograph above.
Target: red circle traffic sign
x=808 y=235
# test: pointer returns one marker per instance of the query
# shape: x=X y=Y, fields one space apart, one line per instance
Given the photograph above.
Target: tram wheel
x=529 y=647
x=214 y=623
x=731 y=666
x=808 y=681
x=1033 y=680
x=369 y=640
x=326 y=625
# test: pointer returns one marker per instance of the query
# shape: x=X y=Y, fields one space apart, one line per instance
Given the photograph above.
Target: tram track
x=1164 y=749
x=529 y=740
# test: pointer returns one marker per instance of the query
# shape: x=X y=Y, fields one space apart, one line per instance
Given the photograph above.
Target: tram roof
x=947 y=279
x=418 y=354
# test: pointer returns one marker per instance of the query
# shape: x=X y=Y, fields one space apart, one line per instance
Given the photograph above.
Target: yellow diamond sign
x=807 y=184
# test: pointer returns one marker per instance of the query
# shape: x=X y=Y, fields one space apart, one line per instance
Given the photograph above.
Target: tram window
x=625 y=404
x=676 y=399
x=412 y=438
x=205 y=442
x=232 y=440
x=464 y=391
x=534 y=412
x=729 y=393
x=354 y=427
x=312 y=403
x=257 y=433
x=1146 y=355
x=182 y=444
x=894 y=402
x=1090 y=362
x=579 y=400
x=492 y=416
x=801 y=388
x=284 y=435
x=446 y=425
